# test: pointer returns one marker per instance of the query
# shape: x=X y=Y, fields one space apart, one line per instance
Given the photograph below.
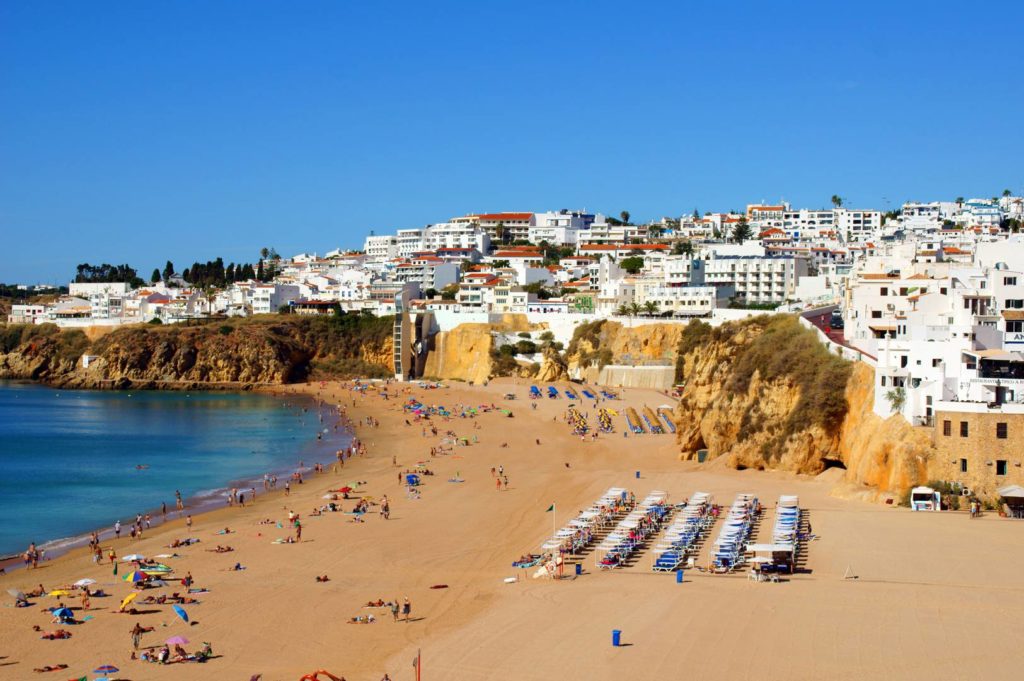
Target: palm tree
x=651 y=308
x=622 y=310
x=1007 y=192
x=625 y=217
x=837 y=201
x=959 y=199
x=634 y=309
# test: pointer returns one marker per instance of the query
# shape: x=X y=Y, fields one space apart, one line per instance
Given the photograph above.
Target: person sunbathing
x=179 y=653
x=50 y=668
x=38 y=591
x=379 y=603
x=322 y=579
x=53 y=635
x=362 y=619
x=220 y=549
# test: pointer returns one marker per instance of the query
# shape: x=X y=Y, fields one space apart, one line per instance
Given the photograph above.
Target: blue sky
x=140 y=131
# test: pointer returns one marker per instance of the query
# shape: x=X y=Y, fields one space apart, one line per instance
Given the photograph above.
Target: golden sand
x=935 y=595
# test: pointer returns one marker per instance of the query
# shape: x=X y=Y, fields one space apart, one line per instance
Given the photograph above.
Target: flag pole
x=419 y=663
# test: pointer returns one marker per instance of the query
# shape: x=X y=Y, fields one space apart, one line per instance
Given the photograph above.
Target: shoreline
x=200 y=504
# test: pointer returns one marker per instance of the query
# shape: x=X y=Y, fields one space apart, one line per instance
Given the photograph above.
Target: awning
x=1011 y=492
x=772 y=548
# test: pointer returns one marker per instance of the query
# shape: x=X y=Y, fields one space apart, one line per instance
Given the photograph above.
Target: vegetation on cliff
x=266 y=349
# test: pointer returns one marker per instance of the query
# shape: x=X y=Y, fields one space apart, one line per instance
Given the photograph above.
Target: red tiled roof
x=504 y=216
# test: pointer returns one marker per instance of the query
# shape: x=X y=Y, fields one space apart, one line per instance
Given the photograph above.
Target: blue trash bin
x=638 y=475
x=679 y=576
x=616 y=637
x=579 y=568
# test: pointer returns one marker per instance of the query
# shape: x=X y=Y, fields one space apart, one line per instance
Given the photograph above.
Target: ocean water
x=68 y=458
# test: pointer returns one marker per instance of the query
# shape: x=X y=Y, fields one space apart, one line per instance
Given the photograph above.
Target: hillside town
x=931 y=295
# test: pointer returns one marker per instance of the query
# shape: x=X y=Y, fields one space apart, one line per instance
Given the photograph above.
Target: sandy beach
x=885 y=593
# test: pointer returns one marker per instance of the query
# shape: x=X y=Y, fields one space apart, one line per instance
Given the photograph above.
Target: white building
x=268 y=298
x=757 y=279
x=381 y=247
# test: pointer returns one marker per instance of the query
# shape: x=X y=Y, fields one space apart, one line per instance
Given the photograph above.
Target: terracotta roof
x=876 y=275
x=918 y=276
x=504 y=216
x=1013 y=315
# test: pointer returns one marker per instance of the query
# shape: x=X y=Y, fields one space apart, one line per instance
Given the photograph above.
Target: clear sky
x=140 y=131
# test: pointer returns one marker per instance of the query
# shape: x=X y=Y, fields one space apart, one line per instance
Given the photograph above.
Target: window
x=963 y=465
x=963 y=429
x=947 y=428
x=1009 y=281
x=1013 y=304
x=1015 y=327
x=1000 y=467
x=883 y=291
x=876 y=314
x=936 y=362
x=943 y=291
x=1001 y=430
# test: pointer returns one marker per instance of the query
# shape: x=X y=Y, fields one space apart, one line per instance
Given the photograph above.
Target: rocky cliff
x=231 y=353
x=767 y=395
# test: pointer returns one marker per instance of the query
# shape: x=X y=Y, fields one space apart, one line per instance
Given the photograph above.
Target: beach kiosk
x=1013 y=500
x=925 y=499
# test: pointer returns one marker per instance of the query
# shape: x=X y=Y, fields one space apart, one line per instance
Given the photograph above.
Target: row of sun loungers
x=632 y=531
x=589 y=395
x=579 y=532
x=653 y=423
x=534 y=392
x=730 y=547
x=633 y=421
x=604 y=419
x=666 y=416
x=684 y=534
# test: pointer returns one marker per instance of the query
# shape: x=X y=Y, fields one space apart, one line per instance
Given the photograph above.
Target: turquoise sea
x=69 y=458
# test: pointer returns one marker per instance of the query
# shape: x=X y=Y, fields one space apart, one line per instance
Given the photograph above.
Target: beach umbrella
x=129 y=598
x=132 y=557
x=18 y=595
x=135 y=576
x=177 y=641
x=63 y=612
x=85 y=582
x=345 y=490
x=59 y=592
x=157 y=582
x=106 y=669
x=180 y=611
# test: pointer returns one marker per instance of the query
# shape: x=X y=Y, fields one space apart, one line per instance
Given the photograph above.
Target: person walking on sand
x=497 y=484
x=406 y=609
x=287 y=488
x=136 y=636
x=394 y=609
x=117 y=529
x=188 y=522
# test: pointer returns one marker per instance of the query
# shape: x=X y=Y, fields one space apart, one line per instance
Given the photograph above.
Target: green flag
x=550 y=508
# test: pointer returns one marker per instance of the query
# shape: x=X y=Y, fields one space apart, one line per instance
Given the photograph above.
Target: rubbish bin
x=638 y=475
x=679 y=576
x=579 y=568
x=616 y=637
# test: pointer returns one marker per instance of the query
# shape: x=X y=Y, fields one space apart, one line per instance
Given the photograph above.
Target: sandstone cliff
x=463 y=354
x=766 y=395
x=225 y=353
x=605 y=342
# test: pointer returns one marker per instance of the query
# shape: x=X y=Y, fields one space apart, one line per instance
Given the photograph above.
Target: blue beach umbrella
x=63 y=612
x=180 y=611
